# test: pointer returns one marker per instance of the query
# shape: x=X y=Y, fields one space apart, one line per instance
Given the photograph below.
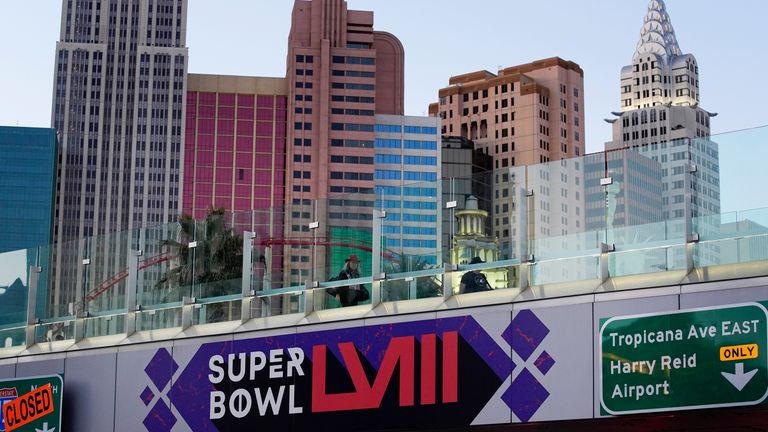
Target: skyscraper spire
x=657 y=35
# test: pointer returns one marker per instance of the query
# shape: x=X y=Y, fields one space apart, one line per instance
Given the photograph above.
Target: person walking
x=474 y=281
x=353 y=294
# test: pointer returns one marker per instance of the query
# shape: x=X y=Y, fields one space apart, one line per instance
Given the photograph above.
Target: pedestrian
x=353 y=294
x=474 y=281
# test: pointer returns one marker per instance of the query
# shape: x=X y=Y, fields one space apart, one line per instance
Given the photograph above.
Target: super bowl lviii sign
x=436 y=373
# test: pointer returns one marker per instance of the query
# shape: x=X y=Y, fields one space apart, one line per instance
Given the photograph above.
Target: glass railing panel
x=715 y=227
x=631 y=194
x=479 y=277
x=12 y=335
x=559 y=194
x=704 y=176
x=741 y=155
x=43 y=300
x=514 y=239
x=566 y=246
x=270 y=263
x=105 y=279
x=341 y=246
x=66 y=279
x=412 y=285
x=159 y=316
x=342 y=293
x=278 y=301
x=265 y=242
x=163 y=273
x=14 y=294
x=217 y=309
x=268 y=245
x=732 y=238
x=648 y=248
x=565 y=215
x=753 y=222
x=217 y=265
x=410 y=233
x=571 y=269
x=648 y=235
x=104 y=325
x=646 y=260
x=458 y=186
x=477 y=231
x=57 y=330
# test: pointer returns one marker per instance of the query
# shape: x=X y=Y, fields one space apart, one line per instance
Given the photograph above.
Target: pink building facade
x=235 y=144
x=341 y=74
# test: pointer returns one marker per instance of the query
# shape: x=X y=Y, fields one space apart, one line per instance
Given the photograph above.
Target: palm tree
x=212 y=267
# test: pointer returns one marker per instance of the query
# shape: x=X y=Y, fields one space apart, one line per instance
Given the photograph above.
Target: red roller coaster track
x=299 y=241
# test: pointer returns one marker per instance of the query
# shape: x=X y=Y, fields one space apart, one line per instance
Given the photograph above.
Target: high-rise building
x=407 y=181
x=524 y=115
x=340 y=73
x=661 y=118
x=28 y=158
x=118 y=106
x=234 y=157
x=466 y=172
x=27 y=182
x=235 y=144
x=633 y=196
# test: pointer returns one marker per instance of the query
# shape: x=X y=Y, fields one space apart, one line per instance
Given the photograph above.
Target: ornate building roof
x=657 y=35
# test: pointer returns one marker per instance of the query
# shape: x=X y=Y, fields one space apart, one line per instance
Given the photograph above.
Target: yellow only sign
x=738 y=352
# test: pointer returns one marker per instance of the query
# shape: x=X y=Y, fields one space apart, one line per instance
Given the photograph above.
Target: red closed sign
x=28 y=407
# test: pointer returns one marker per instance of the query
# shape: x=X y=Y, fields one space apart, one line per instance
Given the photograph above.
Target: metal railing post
x=247 y=291
x=187 y=309
x=131 y=288
x=32 y=320
x=376 y=273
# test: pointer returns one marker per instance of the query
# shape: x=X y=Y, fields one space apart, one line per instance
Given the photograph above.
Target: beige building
x=661 y=118
x=524 y=115
x=341 y=73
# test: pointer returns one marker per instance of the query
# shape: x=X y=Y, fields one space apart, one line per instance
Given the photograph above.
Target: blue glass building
x=407 y=173
x=27 y=185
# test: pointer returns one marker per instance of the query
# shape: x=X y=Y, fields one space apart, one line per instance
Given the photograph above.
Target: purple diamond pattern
x=545 y=362
x=160 y=418
x=525 y=333
x=147 y=396
x=525 y=395
x=161 y=368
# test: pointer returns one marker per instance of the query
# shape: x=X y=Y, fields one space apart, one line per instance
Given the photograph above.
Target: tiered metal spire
x=657 y=35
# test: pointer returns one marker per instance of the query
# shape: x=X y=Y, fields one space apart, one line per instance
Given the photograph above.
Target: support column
x=32 y=320
x=247 y=292
x=187 y=309
x=526 y=257
x=131 y=292
x=691 y=237
x=376 y=273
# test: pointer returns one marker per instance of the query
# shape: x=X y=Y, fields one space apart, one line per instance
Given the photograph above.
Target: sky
x=441 y=38
x=444 y=38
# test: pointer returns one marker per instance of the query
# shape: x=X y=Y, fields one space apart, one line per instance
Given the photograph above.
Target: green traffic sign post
x=699 y=358
x=24 y=413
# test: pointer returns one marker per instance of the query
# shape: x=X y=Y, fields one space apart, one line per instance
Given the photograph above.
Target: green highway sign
x=698 y=358
x=31 y=404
